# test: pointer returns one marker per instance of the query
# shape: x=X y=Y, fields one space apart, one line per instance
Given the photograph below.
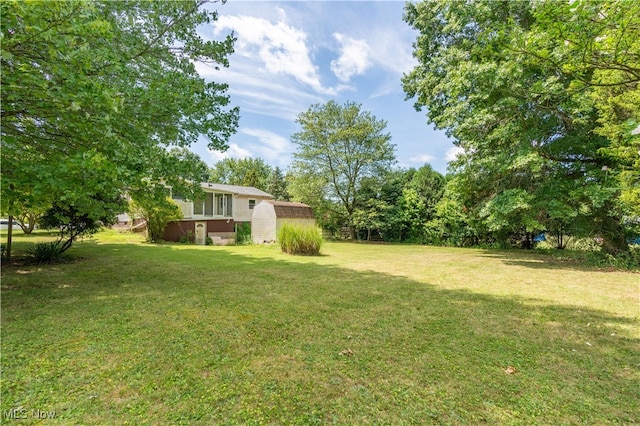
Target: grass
x=127 y=332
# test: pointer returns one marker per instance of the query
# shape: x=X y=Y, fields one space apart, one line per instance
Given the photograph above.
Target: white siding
x=186 y=207
x=242 y=212
x=263 y=223
x=241 y=209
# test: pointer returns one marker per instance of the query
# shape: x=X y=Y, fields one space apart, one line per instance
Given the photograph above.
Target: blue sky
x=292 y=54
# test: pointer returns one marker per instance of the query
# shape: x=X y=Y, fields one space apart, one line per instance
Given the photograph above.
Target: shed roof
x=236 y=189
x=290 y=210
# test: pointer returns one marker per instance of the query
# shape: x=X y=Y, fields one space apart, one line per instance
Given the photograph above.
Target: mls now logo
x=18 y=413
x=21 y=413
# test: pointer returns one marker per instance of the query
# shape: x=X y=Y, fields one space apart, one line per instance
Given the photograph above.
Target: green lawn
x=127 y=332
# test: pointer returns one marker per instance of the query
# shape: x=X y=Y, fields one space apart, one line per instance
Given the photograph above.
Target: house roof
x=284 y=209
x=236 y=189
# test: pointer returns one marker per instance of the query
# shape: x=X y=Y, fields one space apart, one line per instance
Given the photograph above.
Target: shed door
x=201 y=233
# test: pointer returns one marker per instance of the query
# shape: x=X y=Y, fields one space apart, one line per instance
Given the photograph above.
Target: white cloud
x=234 y=151
x=353 y=60
x=421 y=159
x=393 y=53
x=258 y=93
x=279 y=48
x=452 y=153
x=272 y=147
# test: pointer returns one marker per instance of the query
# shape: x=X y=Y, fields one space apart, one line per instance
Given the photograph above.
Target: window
x=222 y=204
x=208 y=204
x=177 y=195
x=219 y=204
x=228 y=198
x=204 y=207
x=198 y=206
x=252 y=204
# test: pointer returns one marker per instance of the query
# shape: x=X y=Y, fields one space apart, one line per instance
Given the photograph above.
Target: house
x=269 y=216
x=217 y=215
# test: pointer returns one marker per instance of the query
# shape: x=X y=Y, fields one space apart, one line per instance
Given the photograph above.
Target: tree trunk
x=9 y=237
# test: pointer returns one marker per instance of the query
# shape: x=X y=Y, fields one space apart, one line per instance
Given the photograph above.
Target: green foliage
x=298 y=239
x=567 y=242
x=243 y=233
x=337 y=147
x=241 y=171
x=188 y=238
x=514 y=83
x=277 y=185
x=310 y=189
x=157 y=212
x=396 y=204
x=371 y=216
x=588 y=254
x=46 y=252
x=84 y=218
x=450 y=225
x=94 y=94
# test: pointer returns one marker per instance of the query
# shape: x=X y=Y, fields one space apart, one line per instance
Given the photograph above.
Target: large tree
x=241 y=171
x=94 y=94
x=341 y=145
x=277 y=185
x=520 y=90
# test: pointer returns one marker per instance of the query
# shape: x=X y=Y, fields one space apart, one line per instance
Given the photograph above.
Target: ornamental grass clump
x=46 y=252
x=297 y=239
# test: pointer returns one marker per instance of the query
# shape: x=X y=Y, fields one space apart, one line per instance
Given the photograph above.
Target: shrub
x=157 y=213
x=243 y=233
x=46 y=252
x=297 y=239
x=188 y=238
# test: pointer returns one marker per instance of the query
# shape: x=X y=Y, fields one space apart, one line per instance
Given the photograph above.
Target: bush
x=188 y=238
x=297 y=239
x=157 y=213
x=243 y=233
x=46 y=252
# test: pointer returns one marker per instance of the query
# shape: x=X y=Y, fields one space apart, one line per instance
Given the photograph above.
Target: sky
x=290 y=55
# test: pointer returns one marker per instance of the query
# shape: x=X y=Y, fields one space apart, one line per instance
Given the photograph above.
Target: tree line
x=102 y=99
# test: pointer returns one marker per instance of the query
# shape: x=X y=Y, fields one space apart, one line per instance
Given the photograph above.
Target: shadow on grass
x=182 y=335
x=541 y=260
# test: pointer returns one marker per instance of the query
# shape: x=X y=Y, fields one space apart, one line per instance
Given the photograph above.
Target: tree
x=277 y=185
x=341 y=145
x=157 y=214
x=418 y=201
x=82 y=219
x=451 y=223
x=95 y=92
x=504 y=80
x=310 y=189
x=28 y=219
x=371 y=216
x=241 y=171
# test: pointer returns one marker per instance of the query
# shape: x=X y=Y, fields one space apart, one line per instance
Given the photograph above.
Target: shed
x=269 y=216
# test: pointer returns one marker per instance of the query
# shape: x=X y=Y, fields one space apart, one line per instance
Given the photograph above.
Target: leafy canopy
x=530 y=97
x=339 y=146
x=241 y=171
x=96 y=93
